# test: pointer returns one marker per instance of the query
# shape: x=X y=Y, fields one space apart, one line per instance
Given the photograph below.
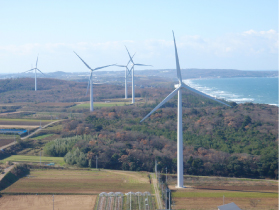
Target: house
x=229 y=206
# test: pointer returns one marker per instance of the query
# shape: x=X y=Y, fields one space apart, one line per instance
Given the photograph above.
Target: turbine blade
x=28 y=70
x=82 y=60
x=139 y=64
x=203 y=94
x=129 y=60
x=42 y=72
x=103 y=67
x=161 y=103
x=129 y=55
x=177 y=62
x=37 y=60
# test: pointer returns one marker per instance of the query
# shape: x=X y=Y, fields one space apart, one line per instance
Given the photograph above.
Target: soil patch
x=45 y=202
x=4 y=142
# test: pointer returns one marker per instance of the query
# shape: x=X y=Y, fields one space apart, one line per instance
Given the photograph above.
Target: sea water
x=262 y=90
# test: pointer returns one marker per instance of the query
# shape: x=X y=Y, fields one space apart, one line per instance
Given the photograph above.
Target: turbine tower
x=90 y=80
x=132 y=76
x=178 y=89
x=127 y=73
x=35 y=69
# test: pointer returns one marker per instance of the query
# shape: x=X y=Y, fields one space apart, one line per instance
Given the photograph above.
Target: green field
x=42 y=136
x=34 y=159
x=101 y=104
x=24 y=120
x=80 y=181
x=228 y=194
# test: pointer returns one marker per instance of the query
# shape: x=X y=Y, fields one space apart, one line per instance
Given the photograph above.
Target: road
x=36 y=131
x=6 y=170
x=156 y=191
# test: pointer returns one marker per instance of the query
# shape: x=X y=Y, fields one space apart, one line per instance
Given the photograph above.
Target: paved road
x=156 y=191
x=39 y=129
x=36 y=131
x=6 y=170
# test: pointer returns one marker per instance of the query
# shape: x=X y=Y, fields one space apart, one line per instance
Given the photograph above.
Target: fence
x=164 y=191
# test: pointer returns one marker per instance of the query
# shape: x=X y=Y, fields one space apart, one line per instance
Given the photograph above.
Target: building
x=229 y=206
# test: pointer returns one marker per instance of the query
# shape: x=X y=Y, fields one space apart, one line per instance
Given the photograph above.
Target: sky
x=216 y=34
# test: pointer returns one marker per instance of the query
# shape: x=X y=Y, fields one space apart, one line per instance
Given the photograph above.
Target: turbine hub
x=177 y=85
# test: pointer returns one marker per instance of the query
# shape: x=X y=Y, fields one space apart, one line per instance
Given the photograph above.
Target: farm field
x=203 y=193
x=4 y=142
x=34 y=159
x=56 y=104
x=45 y=202
x=22 y=123
x=80 y=181
x=2 y=120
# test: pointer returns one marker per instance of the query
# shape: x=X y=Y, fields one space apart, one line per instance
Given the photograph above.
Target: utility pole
x=223 y=199
x=166 y=198
x=166 y=175
x=40 y=157
x=96 y=162
x=169 y=197
x=156 y=168
x=53 y=201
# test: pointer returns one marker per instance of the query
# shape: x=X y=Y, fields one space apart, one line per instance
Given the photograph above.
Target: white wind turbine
x=35 y=69
x=90 y=80
x=132 y=76
x=178 y=89
x=127 y=73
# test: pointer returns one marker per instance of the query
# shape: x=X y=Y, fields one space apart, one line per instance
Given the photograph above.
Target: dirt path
x=156 y=191
x=38 y=130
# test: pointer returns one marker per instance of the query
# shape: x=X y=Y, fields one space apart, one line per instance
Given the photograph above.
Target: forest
x=241 y=141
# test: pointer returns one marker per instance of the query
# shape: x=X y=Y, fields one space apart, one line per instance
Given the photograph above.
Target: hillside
x=55 y=90
x=240 y=141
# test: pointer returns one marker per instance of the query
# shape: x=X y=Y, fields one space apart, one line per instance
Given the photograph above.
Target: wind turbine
x=35 y=73
x=132 y=70
x=127 y=73
x=178 y=89
x=90 y=80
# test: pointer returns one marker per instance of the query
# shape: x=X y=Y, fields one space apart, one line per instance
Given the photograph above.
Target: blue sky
x=232 y=34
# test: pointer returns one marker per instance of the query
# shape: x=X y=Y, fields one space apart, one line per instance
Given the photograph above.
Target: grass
x=34 y=159
x=42 y=136
x=78 y=181
x=228 y=194
x=8 y=136
x=24 y=120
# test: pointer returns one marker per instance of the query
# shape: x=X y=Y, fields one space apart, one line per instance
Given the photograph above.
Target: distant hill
x=170 y=74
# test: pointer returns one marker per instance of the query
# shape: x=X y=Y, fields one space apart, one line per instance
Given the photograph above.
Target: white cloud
x=252 y=44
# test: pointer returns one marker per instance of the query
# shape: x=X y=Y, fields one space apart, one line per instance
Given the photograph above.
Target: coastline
x=258 y=90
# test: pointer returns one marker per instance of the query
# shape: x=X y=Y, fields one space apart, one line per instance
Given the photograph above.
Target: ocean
x=262 y=90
